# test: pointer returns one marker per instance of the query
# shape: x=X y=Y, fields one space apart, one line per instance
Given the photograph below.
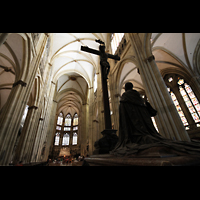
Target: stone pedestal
x=155 y=156
x=107 y=142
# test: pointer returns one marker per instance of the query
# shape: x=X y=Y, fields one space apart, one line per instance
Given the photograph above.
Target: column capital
x=22 y=83
x=32 y=107
x=150 y=58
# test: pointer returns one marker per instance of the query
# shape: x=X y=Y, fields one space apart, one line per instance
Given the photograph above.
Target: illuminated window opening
x=190 y=100
x=115 y=41
x=65 y=139
x=178 y=108
x=57 y=138
x=74 y=142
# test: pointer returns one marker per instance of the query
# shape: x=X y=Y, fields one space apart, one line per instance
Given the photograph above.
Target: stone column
x=83 y=129
x=12 y=112
x=115 y=101
x=34 y=133
x=51 y=128
x=44 y=132
x=10 y=119
x=168 y=120
x=91 y=116
x=25 y=136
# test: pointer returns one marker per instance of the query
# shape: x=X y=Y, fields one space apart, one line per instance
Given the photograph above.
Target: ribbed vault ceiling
x=177 y=51
x=73 y=69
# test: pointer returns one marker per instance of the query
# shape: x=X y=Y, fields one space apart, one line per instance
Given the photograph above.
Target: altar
x=65 y=151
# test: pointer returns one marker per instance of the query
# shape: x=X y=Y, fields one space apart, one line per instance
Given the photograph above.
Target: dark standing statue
x=137 y=132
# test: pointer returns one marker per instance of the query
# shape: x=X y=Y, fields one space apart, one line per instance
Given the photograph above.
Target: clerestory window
x=115 y=41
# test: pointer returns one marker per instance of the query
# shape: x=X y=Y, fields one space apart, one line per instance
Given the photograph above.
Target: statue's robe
x=137 y=132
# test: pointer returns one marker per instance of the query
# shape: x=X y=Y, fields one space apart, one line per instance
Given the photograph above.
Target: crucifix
x=105 y=68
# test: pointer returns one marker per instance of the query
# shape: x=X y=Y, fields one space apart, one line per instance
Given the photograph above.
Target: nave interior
x=51 y=93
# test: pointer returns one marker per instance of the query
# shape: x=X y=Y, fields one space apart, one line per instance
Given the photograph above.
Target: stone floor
x=79 y=163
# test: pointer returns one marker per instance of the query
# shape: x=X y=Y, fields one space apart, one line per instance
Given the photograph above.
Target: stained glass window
x=193 y=98
x=75 y=128
x=190 y=100
x=181 y=81
x=180 y=112
x=68 y=120
x=75 y=120
x=74 y=142
x=115 y=40
x=57 y=138
x=58 y=128
x=65 y=139
x=170 y=79
x=67 y=128
x=60 y=119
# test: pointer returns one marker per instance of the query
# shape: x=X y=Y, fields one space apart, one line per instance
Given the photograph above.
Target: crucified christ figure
x=103 y=57
x=105 y=69
x=103 y=61
x=110 y=138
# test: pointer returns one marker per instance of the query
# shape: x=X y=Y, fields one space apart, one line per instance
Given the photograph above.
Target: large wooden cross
x=105 y=68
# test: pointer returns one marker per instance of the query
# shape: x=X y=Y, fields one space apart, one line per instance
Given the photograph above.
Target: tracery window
x=74 y=142
x=60 y=119
x=66 y=128
x=58 y=129
x=75 y=129
x=75 y=120
x=190 y=99
x=66 y=138
x=68 y=121
x=180 y=90
x=178 y=108
x=57 y=138
x=59 y=122
x=115 y=41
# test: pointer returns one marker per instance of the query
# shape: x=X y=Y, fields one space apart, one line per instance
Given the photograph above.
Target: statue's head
x=128 y=86
x=102 y=48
